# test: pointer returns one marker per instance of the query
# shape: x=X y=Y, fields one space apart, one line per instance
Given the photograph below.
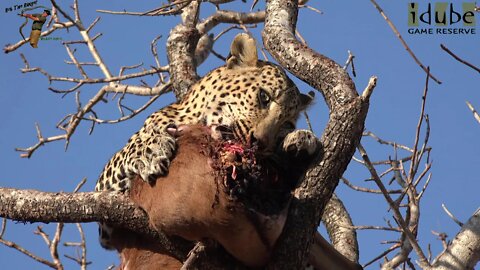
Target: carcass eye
x=288 y=126
x=264 y=98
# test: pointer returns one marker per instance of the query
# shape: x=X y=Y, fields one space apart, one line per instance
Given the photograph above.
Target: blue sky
x=348 y=25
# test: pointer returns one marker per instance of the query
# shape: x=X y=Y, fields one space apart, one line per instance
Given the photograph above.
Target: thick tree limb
x=181 y=45
x=340 y=228
x=464 y=251
x=342 y=134
x=109 y=207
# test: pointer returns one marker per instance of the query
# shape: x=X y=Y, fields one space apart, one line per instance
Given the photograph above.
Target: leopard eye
x=264 y=98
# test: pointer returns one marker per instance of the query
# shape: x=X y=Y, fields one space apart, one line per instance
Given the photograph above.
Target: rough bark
x=181 y=45
x=109 y=207
x=464 y=251
x=341 y=136
x=339 y=227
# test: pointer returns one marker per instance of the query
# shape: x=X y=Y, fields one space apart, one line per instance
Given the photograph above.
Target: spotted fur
x=255 y=99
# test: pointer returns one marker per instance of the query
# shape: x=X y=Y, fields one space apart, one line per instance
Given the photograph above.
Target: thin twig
x=383 y=162
x=413 y=164
x=398 y=216
x=93 y=24
x=452 y=216
x=424 y=187
x=383 y=254
x=123 y=68
x=26 y=252
x=80 y=185
x=379 y=228
x=54 y=246
x=27 y=152
x=368 y=190
x=77 y=23
x=4 y=226
x=311 y=8
x=193 y=255
x=97 y=80
x=133 y=113
x=75 y=62
x=381 y=141
x=113 y=86
x=459 y=59
x=367 y=92
x=350 y=62
x=307 y=119
x=442 y=237
x=83 y=246
x=392 y=26
x=153 y=48
x=475 y=113
x=44 y=235
x=167 y=9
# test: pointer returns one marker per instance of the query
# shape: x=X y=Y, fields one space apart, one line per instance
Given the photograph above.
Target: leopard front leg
x=300 y=144
x=149 y=155
x=296 y=153
x=146 y=154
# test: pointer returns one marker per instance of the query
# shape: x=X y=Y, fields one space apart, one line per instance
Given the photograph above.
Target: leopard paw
x=300 y=143
x=152 y=158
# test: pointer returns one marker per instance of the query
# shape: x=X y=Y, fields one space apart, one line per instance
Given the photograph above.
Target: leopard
x=254 y=99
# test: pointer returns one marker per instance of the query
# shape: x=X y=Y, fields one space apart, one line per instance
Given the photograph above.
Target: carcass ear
x=243 y=52
x=306 y=100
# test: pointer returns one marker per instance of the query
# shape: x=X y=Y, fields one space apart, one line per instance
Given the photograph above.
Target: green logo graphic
x=441 y=18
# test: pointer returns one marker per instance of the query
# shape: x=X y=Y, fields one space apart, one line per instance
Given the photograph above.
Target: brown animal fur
x=323 y=256
x=139 y=253
x=189 y=203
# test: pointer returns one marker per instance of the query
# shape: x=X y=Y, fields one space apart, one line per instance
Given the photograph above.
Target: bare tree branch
x=70 y=123
x=475 y=113
x=459 y=59
x=405 y=45
x=172 y=8
x=452 y=216
x=409 y=222
x=369 y=190
x=398 y=216
x=26 y=252
x=350 y=62
x=381 y=141
x=383 y=254
x=54 y=246
x=224 y=16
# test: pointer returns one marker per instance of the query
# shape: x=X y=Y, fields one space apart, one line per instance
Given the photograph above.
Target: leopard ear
x=243 y=52
x=306 y=100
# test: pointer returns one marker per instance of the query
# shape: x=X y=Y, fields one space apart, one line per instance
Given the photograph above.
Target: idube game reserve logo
x=442 y=18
